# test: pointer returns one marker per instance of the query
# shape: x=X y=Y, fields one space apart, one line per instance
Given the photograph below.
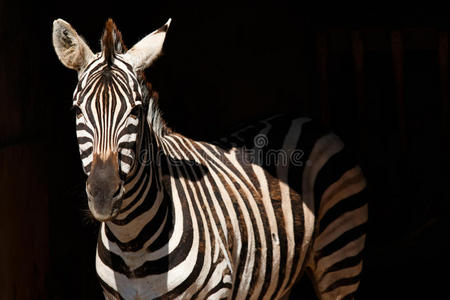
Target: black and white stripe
x=223 y=227
x=108 y=102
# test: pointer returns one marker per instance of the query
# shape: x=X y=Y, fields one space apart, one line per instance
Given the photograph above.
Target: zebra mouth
x=116 y=209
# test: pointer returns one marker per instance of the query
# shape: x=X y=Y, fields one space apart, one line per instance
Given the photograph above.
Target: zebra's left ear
x=142 y=55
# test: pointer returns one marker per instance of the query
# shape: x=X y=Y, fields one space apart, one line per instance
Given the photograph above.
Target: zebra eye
x=135 y=112
x=78 y=112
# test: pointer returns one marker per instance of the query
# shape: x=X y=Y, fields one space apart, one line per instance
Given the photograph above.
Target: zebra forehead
x=102 y=81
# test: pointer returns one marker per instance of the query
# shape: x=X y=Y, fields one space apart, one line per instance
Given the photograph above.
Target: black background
x=224 y=65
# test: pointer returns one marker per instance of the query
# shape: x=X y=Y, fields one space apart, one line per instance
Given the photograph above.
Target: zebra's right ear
x=142 y=55
x=72 y=51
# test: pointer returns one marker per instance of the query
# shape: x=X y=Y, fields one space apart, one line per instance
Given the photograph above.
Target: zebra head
x=108 y=102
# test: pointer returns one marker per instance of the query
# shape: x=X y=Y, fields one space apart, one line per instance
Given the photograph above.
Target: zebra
x=242 y=218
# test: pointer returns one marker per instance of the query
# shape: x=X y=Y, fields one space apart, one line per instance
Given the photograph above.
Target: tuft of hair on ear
x=112 y=42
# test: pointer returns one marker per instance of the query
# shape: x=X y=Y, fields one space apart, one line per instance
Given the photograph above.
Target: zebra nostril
x=88 y=192
x=117 y=192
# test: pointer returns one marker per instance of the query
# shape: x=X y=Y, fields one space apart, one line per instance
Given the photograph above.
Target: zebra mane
x=154 y=114
x=112 y=42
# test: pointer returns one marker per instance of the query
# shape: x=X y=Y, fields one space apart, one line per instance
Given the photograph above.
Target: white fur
x=142 y=55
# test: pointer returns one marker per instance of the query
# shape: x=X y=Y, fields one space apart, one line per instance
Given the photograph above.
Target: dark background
x=378 y=76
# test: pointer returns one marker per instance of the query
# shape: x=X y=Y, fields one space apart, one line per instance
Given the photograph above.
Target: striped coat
x=243 y=218
x=246 y=223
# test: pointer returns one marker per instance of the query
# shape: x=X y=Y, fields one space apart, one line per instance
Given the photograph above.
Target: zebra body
x=239 y=219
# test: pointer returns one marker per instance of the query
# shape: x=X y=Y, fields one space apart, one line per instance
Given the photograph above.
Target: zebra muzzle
x=104 y=188
x=105 y=209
